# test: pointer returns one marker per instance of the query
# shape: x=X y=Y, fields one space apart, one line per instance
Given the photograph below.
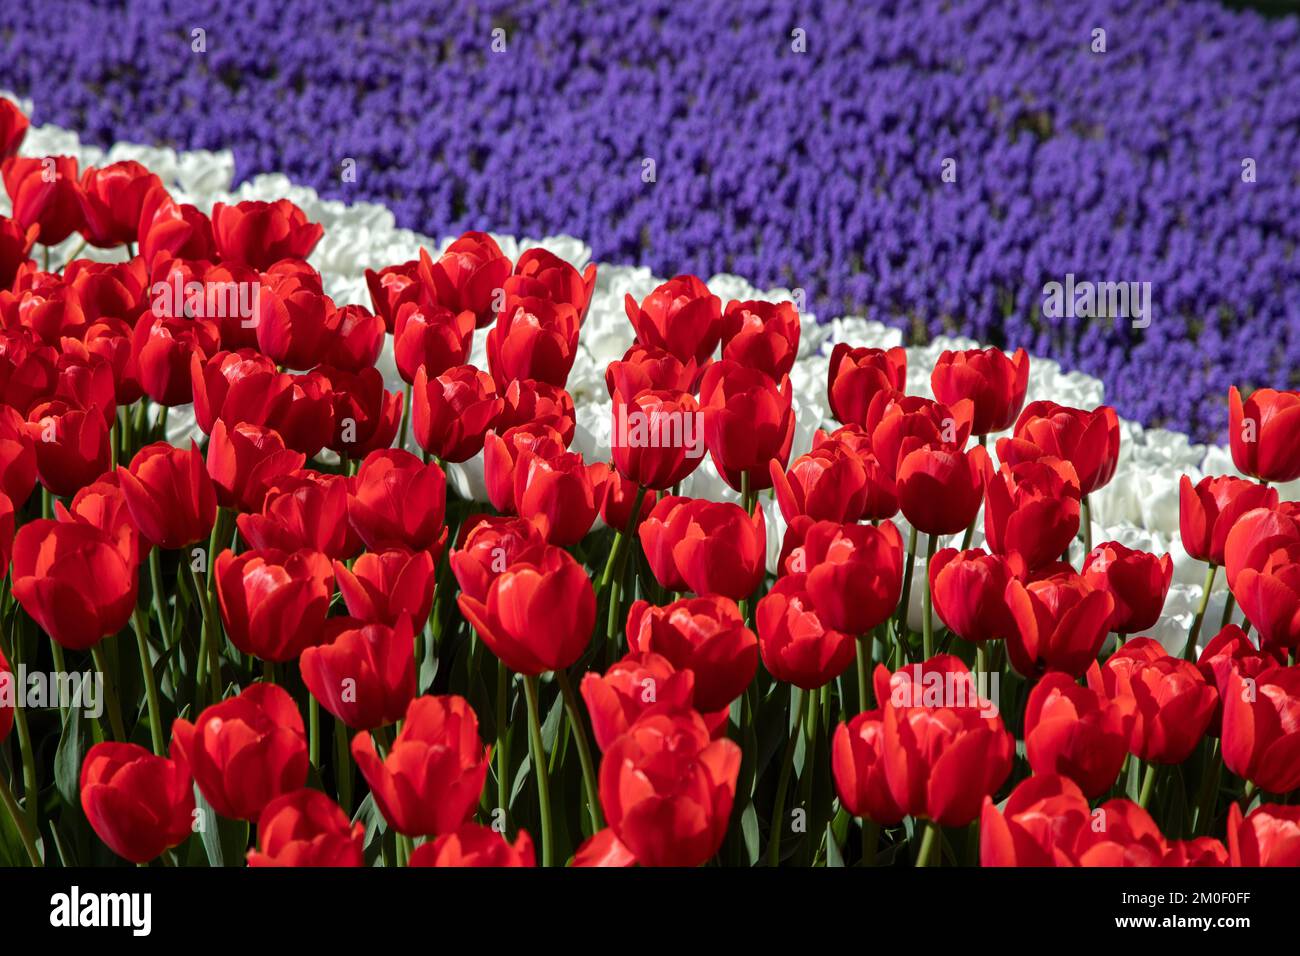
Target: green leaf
x=73 y=745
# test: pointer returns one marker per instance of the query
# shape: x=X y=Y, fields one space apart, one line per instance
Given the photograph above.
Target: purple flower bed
x=819 y=170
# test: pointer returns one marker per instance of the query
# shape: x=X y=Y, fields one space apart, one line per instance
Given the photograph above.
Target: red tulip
x=1060 y=623
x=1076 y=732
x=1268 y=836
x=274 y=603
x=528 y=401
x=354 y=338
x=488 y=546
x=171 y=497
x=537 y=615
x=501 y=454
x=260 y=234
x=797 y=645
x=71 y=445
x=1038 y=826
x=942 y=756
x=1203 y=851
x=969 y=593
x=543 y=274
x=648 y=368
x=245 y=461
x=854 y=572
x=995 y=383
x=169 y=228
x=1137 y=582
x=303 y=509
x=716 y=548
x=1170 y=701
x=667 y=789
x=1032 y=510
x=45 y=193
x=1260 y=536
x=163 y=350
x=659 y=532
x=857 y=762
x=617 y=496
x=17 y=456
x=8 y=696
x=73 y=580
x=13 y=128
x=681 y=317
x=429 y=781
x=477 y=846
x=1232 y=652
x=307 y=828
x=829 y=483
x=382 y=586
x=1261 y=728
x=1270 y=595
x=393 y=287
x=242 y=386
x=898 y=424
x=761 y=335
x=366 y=416
x=363 y=674
x=533 y=338
x=657 y=437
x=139 y=804
x=467 y=276
x=452 y=412
x=940 y=488
x=102 y=505
x=1087 y=440
x=307 y=421
x=245 y=751
x=705 y=635
x=432 y=338
x=1264 y=431
x=16 y=241
x=558 y=493
x=642 y=682
x=855 y=376
x=292 y=319
x=603 y=849
x=399 y=502
x=748 y=422
x=1210 y=509
x=111 y=201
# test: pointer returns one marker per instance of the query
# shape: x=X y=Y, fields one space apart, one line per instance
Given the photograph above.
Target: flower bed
x=574 y=553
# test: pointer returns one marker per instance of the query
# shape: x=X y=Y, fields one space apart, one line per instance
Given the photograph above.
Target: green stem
x=150 y=683
x=928 y=854
x=1085 y=524
x=783 y=782
x=621 y=539
x=864 y=687
x=900 y=629
x=110 y=693
x=313 y=730
x=1148 y=785
x=212 y=637
x=584 y=750
x=503 y=740
x=1189 y=651
x=1228 y=607
x=159 y=601
x=928 y=619
x=342 y=766
x=20 y=821
x=1210 y=778
x=539 y=768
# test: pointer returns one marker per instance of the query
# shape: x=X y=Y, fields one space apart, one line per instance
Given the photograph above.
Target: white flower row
x=1138 y=508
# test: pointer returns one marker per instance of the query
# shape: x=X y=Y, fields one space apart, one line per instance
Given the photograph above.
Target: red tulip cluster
x=335 y=659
